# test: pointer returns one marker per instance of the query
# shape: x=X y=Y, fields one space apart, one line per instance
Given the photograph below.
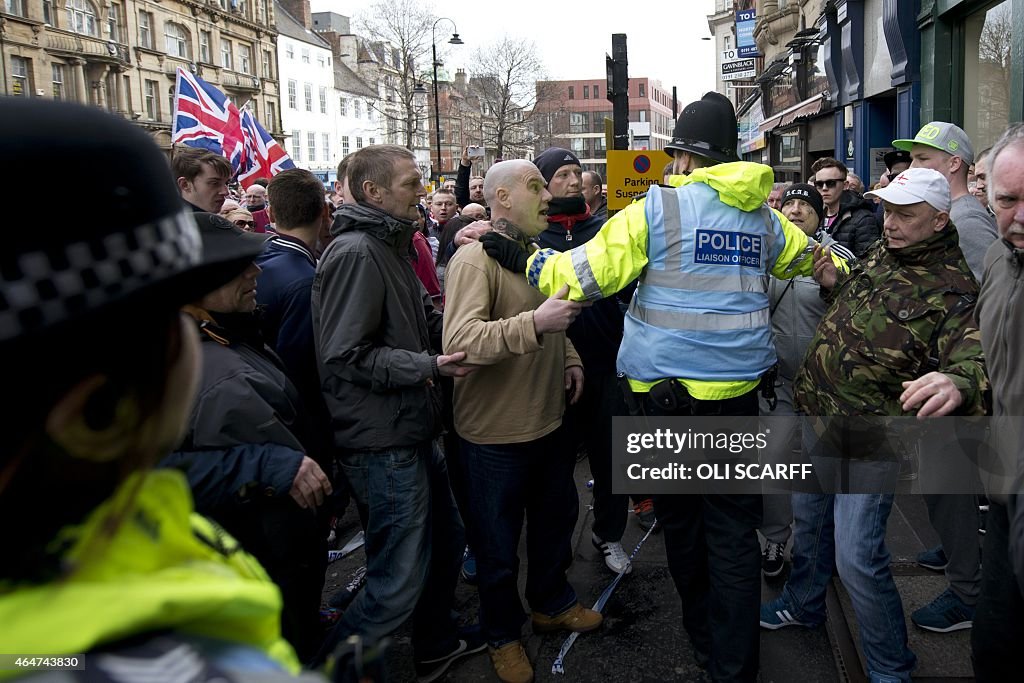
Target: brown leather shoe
x=577 y=618
x=511 y=664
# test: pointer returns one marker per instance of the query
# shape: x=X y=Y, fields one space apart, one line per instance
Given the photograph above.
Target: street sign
x=738 y=69
x=631 y=172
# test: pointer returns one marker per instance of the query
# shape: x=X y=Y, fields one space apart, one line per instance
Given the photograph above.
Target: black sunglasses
x=826 y=183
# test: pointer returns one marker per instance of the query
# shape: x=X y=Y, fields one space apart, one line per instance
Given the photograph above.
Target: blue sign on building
x=745 y=45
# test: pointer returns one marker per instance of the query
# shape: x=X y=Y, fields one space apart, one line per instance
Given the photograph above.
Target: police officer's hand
x=555 y=314
x=825 y=271
x=574 y=383
x=311 y=485
x=935 y=391
x=510 y=255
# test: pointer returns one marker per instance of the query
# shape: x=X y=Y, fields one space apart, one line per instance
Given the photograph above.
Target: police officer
x=697 y=341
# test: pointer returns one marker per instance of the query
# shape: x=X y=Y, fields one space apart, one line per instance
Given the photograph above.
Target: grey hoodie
x=375 y=331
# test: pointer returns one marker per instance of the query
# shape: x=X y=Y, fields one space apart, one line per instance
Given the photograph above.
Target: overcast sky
x=663 y=39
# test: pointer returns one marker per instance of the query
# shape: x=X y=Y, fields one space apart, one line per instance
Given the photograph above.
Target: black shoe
x=428 y=670
x=772 y=560
x=644 y=511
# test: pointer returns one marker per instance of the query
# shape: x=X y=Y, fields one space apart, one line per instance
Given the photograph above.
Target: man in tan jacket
x=508 y=415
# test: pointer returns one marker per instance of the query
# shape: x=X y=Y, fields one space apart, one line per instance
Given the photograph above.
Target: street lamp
x=455 y=40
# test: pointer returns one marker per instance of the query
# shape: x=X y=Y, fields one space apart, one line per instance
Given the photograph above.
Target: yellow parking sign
x=631 y=172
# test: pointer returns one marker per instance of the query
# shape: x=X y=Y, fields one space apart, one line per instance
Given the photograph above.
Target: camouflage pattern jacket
x=887 y=318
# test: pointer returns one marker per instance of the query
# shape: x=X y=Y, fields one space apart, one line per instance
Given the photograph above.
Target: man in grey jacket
x=375 y=331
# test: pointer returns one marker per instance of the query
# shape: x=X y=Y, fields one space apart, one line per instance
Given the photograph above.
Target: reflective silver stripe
x=585 y=274
x=701 y=322
x=673 y=230
x=769 y=238
x=726 y=282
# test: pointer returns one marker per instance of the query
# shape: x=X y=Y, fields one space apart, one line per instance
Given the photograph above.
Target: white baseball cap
x=916 y=185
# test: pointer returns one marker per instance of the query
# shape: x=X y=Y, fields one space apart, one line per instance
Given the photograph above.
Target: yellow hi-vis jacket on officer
x=703 y=250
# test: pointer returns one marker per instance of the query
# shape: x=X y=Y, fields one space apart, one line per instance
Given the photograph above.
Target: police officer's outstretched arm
x=800 y=254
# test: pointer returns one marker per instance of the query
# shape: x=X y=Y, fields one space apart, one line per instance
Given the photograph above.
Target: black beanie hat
x=808 y=194
x=552 y=159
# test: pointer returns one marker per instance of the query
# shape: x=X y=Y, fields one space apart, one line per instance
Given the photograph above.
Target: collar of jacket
x=227 y=328
x=287 y=243
x=740 y=184
x=1015 y=255
x=929 y=250
x=393 y=231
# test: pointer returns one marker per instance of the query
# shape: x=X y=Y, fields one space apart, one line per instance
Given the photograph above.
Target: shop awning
x=808 y=107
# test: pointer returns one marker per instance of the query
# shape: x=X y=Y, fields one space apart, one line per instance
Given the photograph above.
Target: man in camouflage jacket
x=899 y=335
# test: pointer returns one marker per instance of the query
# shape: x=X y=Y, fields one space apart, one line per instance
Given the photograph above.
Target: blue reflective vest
x=701 y=309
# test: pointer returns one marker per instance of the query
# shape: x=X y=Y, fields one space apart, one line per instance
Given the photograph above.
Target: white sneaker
x=615 y=557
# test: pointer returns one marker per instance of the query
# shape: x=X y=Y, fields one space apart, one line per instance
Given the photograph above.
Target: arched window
x=176 y=41
x=82 y=18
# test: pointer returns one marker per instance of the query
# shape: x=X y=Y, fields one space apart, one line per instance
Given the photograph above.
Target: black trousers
x=998 y=632
x=715 y=560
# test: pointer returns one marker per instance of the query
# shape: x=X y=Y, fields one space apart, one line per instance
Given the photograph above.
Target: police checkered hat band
x=45 y=287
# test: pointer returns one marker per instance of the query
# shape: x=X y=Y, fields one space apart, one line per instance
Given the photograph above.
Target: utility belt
x=670 y=395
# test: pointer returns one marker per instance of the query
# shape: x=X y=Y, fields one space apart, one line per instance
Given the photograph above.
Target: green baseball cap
x=947 y=137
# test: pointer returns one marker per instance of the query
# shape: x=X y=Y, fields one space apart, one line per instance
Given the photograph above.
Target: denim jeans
x=847 y=531
x=506 y=482
x=414 y=541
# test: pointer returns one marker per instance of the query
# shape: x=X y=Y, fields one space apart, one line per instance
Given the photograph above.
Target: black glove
x=510 y=255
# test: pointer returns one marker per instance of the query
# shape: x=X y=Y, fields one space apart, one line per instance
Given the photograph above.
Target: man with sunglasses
x=849 y=218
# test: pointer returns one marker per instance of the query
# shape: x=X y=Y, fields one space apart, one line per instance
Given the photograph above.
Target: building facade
x=572 y=114
x=123 y=55
x=310 y=101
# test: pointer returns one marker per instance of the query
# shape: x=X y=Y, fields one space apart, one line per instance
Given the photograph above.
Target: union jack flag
x=205 y=117
x=263 y=156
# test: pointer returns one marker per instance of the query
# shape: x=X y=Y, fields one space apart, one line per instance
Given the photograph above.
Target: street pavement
x=642 y=638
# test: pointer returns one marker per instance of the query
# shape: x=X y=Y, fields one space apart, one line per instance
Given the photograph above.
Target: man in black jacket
x=375 y=330
x=245 y=450
x=849 y=218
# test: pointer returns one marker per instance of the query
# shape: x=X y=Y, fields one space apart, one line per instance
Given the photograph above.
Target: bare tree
x=505 y=81
x=400 y=32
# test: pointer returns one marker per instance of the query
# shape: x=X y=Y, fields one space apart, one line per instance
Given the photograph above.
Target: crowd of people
x=213 y=375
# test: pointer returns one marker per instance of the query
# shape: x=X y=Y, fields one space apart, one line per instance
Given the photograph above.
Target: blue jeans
x=414 y=541
x=506 y=482
x=847 y=531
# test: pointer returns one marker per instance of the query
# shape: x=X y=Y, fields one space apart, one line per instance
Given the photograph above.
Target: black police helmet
x=708 y=128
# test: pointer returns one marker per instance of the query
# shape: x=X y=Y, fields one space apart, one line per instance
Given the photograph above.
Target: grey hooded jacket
x=375 y=330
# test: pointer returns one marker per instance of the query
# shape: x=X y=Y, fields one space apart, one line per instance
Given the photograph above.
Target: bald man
x=474 y=211
x=508 y=415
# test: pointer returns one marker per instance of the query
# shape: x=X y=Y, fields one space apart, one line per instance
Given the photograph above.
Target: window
x=296 y=146
x=597 y=92
x=643 y=90
x=343 y=106
x=58 y=82
x=289 y=51
x=576 y=144
x=323 y=100
x=14 y=7
x=152 y=99
x=146 y=30
x=311 y=143
x=115 y=20
x=586 y=92
x=305 y=55
x=292 y=104
x=19 y=77
x=578 y=122
x=245 y=59
x=572 y=93
x=726 y=42
x=176 y=41
x=205 y=40
x=359 y=143
x=82 y=18
x=326 y=139
x=308 y=90
x=48 y=14
x=225 y=54
x=369 y=111
x=321 y=61
x=357 y=107
x=373 y=141
x=268 y=69
x=990 y=62
x=272 y=116
x=344 y=146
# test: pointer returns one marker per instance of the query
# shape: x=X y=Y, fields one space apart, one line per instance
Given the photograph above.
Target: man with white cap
x=945 y=148
x=867 y=360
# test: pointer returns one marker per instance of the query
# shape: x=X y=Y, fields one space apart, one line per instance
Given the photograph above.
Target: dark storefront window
x=988 y=66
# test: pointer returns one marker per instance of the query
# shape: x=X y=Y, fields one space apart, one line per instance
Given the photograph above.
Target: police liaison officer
x=697 y=341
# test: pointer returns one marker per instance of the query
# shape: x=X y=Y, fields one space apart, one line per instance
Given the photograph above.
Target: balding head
x=474 y=211
x=515 y=191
